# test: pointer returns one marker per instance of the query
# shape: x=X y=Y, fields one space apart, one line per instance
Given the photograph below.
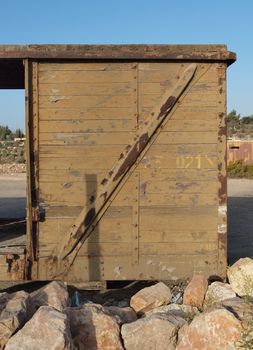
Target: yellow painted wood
x=85 y=76
x=87 y=66
x=88 y=112
x=93 y=113
x=69 y=102
x=72 y=242
x=89 y=126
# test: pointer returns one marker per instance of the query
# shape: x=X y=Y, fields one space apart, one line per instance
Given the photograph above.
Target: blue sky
x=139 y=21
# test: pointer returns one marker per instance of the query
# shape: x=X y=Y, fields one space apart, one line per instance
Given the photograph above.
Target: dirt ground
x=240 y=211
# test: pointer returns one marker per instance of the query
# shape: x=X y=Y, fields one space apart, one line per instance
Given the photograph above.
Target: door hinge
x=35 y=214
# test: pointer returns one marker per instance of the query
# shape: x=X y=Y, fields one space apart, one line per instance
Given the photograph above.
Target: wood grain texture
x=88 y=112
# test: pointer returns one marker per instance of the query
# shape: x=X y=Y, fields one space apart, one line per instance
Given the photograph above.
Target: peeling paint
x=150 y=262
x=117 y=271
x=222 y=210
x=55 y=99
x=222 y=228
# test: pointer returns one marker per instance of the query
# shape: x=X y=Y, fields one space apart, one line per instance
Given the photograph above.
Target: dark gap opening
x=12 y=155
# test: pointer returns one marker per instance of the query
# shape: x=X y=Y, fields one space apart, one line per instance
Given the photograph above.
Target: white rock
x=150 y=297
x=54 y=294
x=215 y=330
x=93 y=329
x=156 y=332
x=14 y=312
x=48 y=329
x=217 y=292
x=240 y=276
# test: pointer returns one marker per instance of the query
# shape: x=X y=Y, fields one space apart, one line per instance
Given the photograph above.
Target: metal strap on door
x=65 y=252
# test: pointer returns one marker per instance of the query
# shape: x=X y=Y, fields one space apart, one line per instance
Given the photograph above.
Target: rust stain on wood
x=132 y=155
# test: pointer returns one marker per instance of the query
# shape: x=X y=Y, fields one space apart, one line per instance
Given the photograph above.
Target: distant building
x=240 y=150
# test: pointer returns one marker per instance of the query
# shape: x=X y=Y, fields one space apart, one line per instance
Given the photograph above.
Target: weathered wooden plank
x=185 y=113
x=83 y=89
x=163 y=267
x=85 y=66
x=108 y=230
x=181 y=113
x=95 y=249
x=205 y=72
x=138 y=52
x=175 y=236
x=92 y=126
x=177 y=187
x=165 y=161
x=174 y=248
x=168 y=137
x=71 y=175
x=122 y=138
x=108 y=138
x=85 y=113
x=63 y=101
x=202 y=99
x=124 y=248
x=190 y=125
x=62 y=163
x=118 y=231
x=185 y=218
x=159 y=87
x=179 y=199
x=71 y=211
x=179 y=175
x=125 y=198
x=68 y=193
x=77 y=151
x=85 y=76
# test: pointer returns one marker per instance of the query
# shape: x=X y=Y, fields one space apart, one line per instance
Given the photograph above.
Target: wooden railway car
x=126 y=161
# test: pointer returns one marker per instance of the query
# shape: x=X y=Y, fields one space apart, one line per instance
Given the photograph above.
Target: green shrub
x=238 y=170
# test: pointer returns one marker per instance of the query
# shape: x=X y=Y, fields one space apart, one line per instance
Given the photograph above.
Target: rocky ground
x=203 y=315
x=12 y=168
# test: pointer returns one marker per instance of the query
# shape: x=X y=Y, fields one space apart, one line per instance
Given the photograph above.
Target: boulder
x=150 y=297
x=158 y=331
x=239 y=308
x=14 y=312
x=92 y=328
x=54 y=294
x=185 y=311
x=217 y=292
x=240 y=276
x=121 y=314
x=217 y=329
x=48 y=329
x=195 y=291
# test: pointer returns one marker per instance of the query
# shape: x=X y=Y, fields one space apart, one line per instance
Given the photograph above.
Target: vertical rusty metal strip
x=222 y=171
x=32 y=181
x=134 y=96
x=135 y=220
x=35 y=100
x=29 y=240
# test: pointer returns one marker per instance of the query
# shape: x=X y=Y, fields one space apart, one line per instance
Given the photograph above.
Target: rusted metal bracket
x=65 y=252
x=35 y=214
